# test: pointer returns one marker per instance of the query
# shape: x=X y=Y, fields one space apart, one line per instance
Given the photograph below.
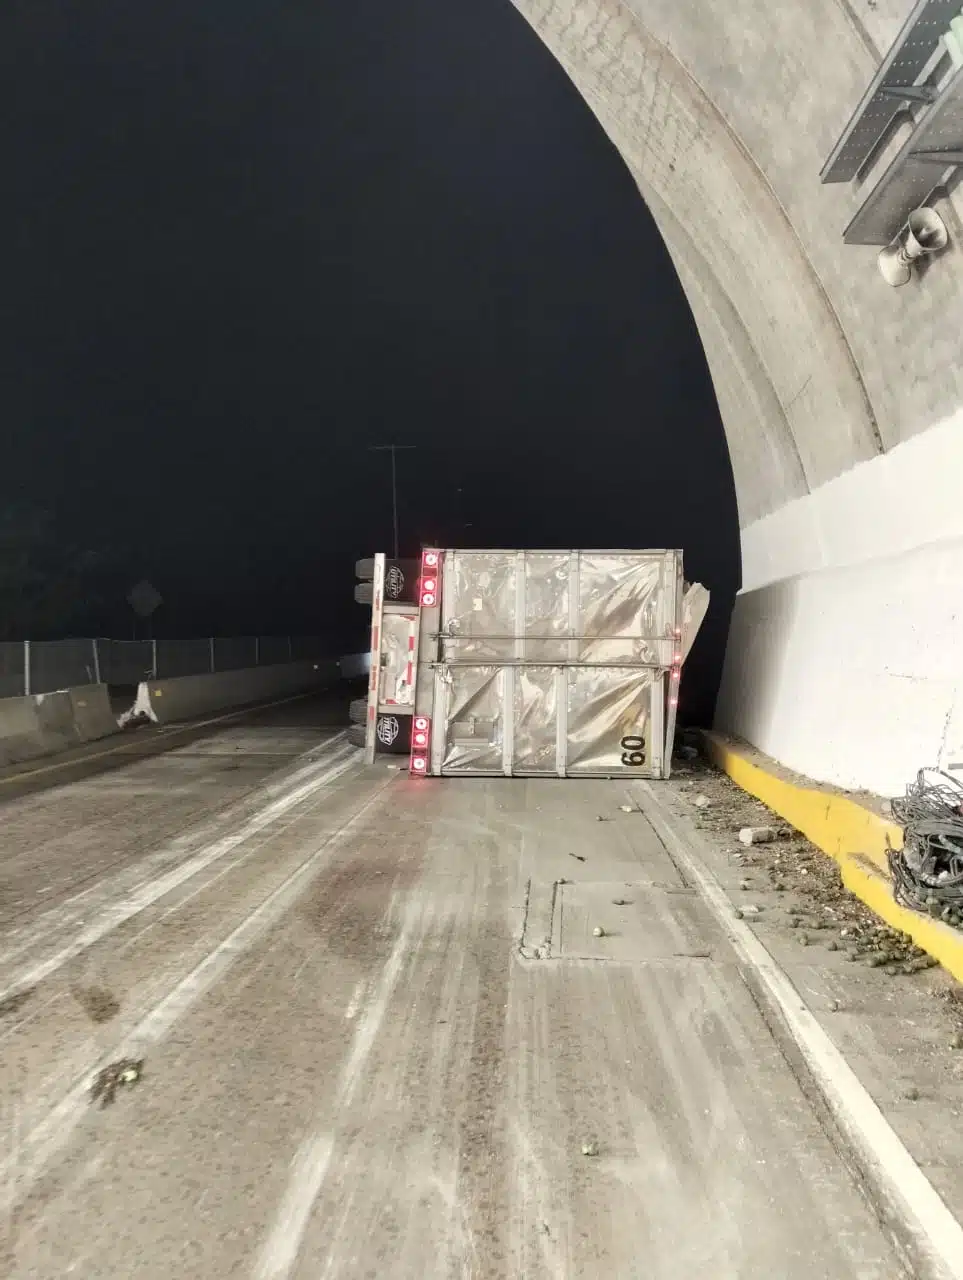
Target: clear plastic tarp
x=518 y=605
x=536 y=720
x=476 y=720
x=609 y=719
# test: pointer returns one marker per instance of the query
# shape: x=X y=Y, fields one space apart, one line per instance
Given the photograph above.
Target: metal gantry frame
x=933 y=153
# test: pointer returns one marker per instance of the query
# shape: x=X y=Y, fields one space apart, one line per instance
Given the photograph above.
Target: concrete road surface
x=380 y=1038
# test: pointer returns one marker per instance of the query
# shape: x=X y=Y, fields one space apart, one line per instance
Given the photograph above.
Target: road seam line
x=113 y=915
x=51 y=1133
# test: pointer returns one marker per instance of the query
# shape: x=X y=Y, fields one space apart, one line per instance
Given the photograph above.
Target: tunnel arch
x=840 y=397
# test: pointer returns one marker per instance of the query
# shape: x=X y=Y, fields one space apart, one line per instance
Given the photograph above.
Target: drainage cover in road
x=631 y=922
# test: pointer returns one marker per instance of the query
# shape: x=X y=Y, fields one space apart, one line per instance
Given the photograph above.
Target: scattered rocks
x=598 y=932
x=912 y=1094
x=579 y=857
x=702 y=802
x=628 y=808
x=590 y=1148
x=758 y=835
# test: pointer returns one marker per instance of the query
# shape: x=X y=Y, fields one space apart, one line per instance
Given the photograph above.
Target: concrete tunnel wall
x=841 y=397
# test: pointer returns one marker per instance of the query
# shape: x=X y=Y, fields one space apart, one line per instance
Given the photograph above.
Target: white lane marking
x=117 y=913
x=51 y=1133
x=936 y=1233
x=67 y=913
x=310 y=1165
x=183 y=726
x=356 y=1001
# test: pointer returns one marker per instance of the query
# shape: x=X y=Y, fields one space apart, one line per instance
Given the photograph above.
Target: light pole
x=392 y=449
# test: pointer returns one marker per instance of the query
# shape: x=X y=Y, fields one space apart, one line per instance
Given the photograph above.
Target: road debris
x=758 y=835
x=928 y=871
x=598 y=932
x=590 y=1148
x=116 y=1075
x=579 y=857
x=628 y=808
x=702 y=802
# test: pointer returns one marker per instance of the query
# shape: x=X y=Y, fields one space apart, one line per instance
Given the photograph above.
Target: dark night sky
x=247 y=238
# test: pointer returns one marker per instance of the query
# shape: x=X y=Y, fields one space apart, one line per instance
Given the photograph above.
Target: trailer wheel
x=356 y=735
x=358 y=710
x=364 y=592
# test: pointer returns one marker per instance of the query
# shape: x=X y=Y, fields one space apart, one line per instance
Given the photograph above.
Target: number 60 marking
x=633 y=749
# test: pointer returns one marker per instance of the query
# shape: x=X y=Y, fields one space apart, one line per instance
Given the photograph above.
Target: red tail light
x=428 y=587
x=420 y=741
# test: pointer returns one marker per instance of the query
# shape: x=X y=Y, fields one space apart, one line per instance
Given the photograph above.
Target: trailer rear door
x=556 y=663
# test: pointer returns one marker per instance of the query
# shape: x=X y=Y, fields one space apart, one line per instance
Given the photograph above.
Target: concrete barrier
x=186 y=697
x=354 y=666
x=44 y=723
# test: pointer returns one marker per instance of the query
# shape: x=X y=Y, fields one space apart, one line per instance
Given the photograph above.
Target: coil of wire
x=928 y=871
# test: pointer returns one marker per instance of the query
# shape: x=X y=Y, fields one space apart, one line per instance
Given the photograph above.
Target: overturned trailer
x=527 y=663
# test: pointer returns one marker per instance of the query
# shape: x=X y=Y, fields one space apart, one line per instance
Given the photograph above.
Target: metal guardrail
x=45 y=666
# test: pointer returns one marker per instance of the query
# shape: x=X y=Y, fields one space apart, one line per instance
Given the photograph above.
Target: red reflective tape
x=411 y=643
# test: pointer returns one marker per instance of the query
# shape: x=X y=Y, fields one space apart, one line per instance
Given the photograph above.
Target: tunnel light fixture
x=924 y=232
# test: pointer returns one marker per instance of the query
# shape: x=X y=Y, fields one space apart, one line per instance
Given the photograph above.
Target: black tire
x=356 y=734
x=364 y=568
x=358 y=711
x=364 y=592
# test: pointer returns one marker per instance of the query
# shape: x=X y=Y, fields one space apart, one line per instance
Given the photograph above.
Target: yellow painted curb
x=851 y=834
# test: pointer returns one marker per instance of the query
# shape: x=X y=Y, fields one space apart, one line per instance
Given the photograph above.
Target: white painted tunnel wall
x=840 y=396
x=845 y=659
